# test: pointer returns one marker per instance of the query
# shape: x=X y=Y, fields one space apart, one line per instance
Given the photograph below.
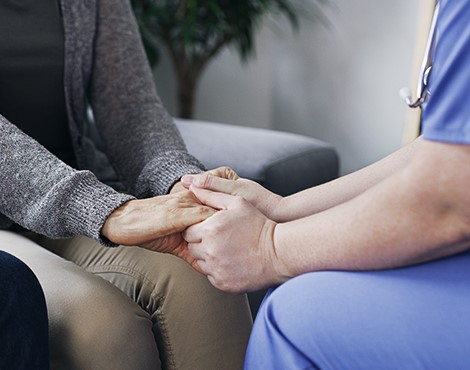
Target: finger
x=210 y=182
x=179 y=219
x=193 y=234
x=225 y=172
x=202 y=267
x=213 y=199
x=196 y=265
x=196 y=250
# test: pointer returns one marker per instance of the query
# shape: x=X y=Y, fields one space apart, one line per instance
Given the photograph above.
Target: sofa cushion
x=282 y=162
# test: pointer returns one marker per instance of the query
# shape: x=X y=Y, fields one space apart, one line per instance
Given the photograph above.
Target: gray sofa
x=282 y=162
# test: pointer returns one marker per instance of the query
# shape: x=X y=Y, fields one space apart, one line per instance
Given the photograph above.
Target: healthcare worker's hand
x=234 y=247
x=261 y=198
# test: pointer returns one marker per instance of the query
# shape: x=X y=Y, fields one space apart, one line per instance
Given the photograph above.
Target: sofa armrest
x=282 y=162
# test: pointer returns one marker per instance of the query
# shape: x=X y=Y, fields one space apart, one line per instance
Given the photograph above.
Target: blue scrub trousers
x=409 y=318
x=23 y=318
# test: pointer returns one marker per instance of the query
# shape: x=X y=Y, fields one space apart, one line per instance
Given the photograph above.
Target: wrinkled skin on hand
x=156 y=223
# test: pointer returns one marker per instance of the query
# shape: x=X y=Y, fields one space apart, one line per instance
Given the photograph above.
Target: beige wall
x=339 y=84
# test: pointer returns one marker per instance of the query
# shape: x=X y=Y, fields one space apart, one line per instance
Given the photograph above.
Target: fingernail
x=187 y=179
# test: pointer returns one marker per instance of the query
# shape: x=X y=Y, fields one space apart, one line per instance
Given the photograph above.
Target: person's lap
x=88 y=317
x=410 y=318
x=185 y=309
x=94 y=325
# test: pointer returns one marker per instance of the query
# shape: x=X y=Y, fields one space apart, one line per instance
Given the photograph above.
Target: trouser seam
x=96 y=269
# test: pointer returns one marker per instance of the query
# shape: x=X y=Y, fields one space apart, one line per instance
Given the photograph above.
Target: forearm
x=140 y=137
x=410 y=217
x=343 y=189
x=43 y=194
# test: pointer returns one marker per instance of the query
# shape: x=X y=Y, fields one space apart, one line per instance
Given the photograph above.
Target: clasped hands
x=234 y=248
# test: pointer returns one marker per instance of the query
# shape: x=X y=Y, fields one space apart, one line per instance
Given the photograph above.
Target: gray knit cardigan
x=106 y=69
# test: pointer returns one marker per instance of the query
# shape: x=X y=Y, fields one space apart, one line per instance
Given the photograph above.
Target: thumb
x=213 y=199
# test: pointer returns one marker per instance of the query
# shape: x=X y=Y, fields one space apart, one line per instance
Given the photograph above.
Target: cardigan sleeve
x=43 y=194
x=140 y=138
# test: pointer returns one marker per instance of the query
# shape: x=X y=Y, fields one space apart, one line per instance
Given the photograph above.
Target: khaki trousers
x=131 y=309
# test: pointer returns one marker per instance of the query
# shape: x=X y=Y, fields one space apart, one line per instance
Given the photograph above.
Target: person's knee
x=300 y=316
x=174 y=283
x=335 y=319
x=23 y=319
x=104 y=320
x=16 y=272
x=313 y=299
x=100 y=328
x=186 y=309
x=292 y=302
x=20 y=287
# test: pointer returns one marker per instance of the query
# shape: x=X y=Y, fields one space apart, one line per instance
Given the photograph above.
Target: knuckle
x=204 y=180
x=214 y=229
x=207 y=180
x=228 y=286
x=221 y=283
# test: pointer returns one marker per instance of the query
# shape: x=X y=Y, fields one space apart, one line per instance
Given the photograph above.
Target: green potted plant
x=194 y=31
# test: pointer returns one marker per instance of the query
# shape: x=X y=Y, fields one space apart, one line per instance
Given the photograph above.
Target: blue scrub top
x=446 y=116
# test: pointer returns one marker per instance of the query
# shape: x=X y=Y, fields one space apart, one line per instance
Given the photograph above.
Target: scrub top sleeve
x=446 y=116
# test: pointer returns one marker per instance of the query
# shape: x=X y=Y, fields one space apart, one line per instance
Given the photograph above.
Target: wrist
x=113 y=226
x=176 y=187
x=278 y=271
x=274 y=207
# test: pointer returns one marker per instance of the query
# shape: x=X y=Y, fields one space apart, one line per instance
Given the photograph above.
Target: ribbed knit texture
x=141 y=140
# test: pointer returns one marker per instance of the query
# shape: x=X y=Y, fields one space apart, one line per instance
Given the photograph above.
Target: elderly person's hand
x=156 y=223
